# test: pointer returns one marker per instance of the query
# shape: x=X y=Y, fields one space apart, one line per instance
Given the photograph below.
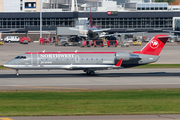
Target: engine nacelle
x=92 y=35
x=126 y=56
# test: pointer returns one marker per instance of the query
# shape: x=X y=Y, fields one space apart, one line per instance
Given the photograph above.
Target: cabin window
x=101 y=58
x=91 y=58
x=96 y=58
x=67 y=58
x=81 y=58
x=56 y=58
x=86 y=58
x=72 y=59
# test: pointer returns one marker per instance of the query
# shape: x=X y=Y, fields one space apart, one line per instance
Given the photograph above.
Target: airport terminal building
x=134 y=15
x=117 y=21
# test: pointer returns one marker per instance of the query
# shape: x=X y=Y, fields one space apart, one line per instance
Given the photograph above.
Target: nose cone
x=5 y=65
x=9 y=64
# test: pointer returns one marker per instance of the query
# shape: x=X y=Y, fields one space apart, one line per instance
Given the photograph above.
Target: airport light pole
x=40 y=18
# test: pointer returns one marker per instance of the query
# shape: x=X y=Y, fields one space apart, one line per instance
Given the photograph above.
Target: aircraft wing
x=169 y=36
x=106 y=35
x=11 y=30
x=89 y=67
x=101 y=30
x=96 y=67
x=49 y=32
x=128 y=33
x=78 y=30
x=82 y=35
x=171 y=31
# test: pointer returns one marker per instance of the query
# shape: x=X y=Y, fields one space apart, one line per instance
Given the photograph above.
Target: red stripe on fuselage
x=70 y=52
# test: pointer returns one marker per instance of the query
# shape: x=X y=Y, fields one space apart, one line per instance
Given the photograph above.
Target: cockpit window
x=17 y=57
x=20 y=57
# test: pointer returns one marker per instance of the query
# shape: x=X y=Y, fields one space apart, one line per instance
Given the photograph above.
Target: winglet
x=119 y=63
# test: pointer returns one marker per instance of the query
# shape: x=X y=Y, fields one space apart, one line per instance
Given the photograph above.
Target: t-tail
x=154 y=46
x=90 y=19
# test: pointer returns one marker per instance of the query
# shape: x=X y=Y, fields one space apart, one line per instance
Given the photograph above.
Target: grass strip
x=159 y=66
x=3 y=68
x=117 y=102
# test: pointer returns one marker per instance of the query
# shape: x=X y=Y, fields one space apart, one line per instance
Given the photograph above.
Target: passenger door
x=35 y=59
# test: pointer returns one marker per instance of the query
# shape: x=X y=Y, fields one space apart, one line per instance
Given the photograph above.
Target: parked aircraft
x=92 y=32
x=89 y=61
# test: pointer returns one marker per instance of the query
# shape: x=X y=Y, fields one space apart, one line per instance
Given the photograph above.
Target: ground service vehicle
x=98 y=43
x=112 y=43
x=85 y=43
x=1 y=42
x=62 y=41
x=11 y=39
x=25 y=40
x=44 y=41
x=137 y=43
x=89 y=61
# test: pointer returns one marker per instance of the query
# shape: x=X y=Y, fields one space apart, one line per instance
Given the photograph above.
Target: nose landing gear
x=17 y=72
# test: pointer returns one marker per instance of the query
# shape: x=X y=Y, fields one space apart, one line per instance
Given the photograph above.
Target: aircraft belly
x=71 y=67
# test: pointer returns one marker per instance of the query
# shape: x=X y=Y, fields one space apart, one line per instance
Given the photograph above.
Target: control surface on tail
x=89 y=61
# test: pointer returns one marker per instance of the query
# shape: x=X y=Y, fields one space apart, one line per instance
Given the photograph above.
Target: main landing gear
x=88 y=72
x=17 y=72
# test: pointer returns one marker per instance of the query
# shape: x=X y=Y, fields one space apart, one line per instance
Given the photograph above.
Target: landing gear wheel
x=90 y=73
x=17 y=73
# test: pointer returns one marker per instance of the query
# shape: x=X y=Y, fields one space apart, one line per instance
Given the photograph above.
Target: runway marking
x=5 y=119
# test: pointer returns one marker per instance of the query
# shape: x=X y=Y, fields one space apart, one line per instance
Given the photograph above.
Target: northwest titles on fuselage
x=57 y=56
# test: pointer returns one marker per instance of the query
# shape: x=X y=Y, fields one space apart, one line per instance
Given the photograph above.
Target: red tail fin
x=154 y=46
x=90 y=19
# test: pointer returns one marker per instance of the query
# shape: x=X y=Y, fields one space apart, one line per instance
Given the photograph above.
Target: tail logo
x=154 y=44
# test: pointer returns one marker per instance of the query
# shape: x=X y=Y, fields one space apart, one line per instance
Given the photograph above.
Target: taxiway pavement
x=110 y=79
x=105 y=117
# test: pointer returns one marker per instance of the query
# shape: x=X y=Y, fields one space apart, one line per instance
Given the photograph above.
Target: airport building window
x=35 y=22
x=134 y=23
x=118 y=23
x=152 y=6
